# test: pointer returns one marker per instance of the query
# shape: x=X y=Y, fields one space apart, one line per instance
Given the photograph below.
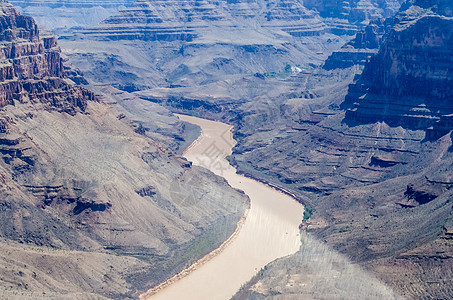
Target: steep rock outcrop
x=32 y=69
x=152 y=20
x=294 y=17
x=380 y=193
x=354 y=10
x=346 y=17
x=358 y=51
x=409 y=82
x=62 y=15
x=88 y=207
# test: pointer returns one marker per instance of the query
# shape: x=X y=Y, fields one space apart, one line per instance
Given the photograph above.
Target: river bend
x=270 y=230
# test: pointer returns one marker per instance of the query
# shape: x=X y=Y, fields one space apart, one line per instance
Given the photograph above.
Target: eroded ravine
x=270 y=230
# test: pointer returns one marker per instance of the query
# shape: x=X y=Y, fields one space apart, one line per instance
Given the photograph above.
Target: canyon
x=346 y=105
x=89 y=205
x=192 y=48
x=270 y=229
x=375 y=168
x=60 y=16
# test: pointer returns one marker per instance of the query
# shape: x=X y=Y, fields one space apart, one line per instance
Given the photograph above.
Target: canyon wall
x=186 y=20
x=409 y=82
x=32 y=69
x=91 y=207
x=375 y=169
x=62 y=15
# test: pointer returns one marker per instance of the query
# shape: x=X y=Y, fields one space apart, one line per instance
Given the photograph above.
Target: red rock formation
x=31 y=68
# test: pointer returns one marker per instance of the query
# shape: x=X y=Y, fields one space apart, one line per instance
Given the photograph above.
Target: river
x=270 y=230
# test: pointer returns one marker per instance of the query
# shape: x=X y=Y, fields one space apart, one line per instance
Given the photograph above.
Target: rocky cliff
x=354 y=10
x=351 y=15
x=90 y=207
x=151 y=20
x=32 y=69
x=294 y=17
x=376 y=176
x=62 y=15
x=359 y=50
x=378 y=193
x=409 y=83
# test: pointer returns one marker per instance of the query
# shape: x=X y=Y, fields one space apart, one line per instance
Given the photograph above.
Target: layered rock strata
x=186 y=20
x=31 y=67
x=378 y=180
x=90 y=206
x=293 y=17
x=409 y=83
x=354 y=10
x=61 y=15
x=361 y=49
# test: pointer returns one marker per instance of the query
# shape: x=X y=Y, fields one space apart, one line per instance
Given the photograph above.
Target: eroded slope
x=89 y=207
x=378 y=177
x=62 y=15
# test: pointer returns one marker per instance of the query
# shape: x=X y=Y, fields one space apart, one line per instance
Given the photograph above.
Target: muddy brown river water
x=270 y=229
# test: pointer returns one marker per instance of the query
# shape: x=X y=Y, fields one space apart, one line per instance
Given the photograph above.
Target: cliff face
x=32 y=69
x=202 y=50
x=359 y=50
x=295 y=17
x=61 y=15
x=151 y=20
x=378 y=175
x=354 y=9
x=409 y=81
x=90 y=207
